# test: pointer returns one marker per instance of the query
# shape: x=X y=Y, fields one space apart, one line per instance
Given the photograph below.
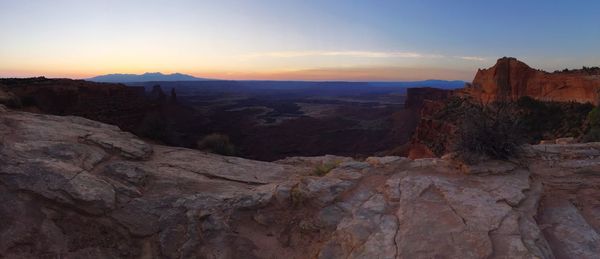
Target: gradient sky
x=300 y=40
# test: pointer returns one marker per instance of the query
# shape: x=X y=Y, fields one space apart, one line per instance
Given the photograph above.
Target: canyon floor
x=76 y=188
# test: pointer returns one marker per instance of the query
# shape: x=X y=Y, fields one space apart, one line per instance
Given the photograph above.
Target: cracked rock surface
x=75 y=188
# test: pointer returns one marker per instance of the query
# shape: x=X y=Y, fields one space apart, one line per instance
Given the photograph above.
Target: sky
x=370 y=40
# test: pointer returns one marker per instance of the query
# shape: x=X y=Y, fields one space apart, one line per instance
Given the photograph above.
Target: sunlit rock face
x=511 y=79
x=76 y=188
x=508 y=80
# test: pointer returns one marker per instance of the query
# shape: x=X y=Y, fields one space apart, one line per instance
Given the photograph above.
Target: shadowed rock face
x=75 y=188
x=511 y=79
x=116 y=104
x=416 y=98
x=150 y=115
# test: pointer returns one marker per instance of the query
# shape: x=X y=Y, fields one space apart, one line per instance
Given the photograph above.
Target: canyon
x=75 y=187
x=266 y=121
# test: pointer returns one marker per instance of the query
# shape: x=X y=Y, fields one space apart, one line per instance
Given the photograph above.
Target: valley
x=269 y=122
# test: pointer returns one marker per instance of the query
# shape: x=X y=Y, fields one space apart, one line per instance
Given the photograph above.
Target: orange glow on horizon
x=320 y=74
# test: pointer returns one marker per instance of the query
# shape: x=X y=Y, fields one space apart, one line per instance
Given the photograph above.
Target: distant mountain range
x=146 y=77
x=445 y=84
x=178 y=77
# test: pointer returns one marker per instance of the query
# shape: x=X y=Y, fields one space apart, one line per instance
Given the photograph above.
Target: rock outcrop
x=426 y=102
x=511 y=79
x=76 y=188
x=150 y=115
x=115 y=104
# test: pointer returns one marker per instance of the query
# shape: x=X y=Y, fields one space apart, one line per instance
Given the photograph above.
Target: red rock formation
x=426 y=102
x=432 y=135
x=509 y=79
x=512 y=79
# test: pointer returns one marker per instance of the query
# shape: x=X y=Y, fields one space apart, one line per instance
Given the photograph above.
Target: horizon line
x=255 y=80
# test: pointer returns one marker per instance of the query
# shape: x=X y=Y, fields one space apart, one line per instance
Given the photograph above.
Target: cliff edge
x=511 y=79
x=76 y=188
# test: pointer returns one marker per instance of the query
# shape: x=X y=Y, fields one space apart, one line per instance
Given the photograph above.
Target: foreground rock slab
x=75 y=188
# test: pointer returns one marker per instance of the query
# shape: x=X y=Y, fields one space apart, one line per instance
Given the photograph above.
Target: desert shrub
x=550 y=120
x=217 y=143
x=593 y=126
x=470 y=128
x=452 y=110
x=593 y=135
x=325 y=168
x=593 y=118
x=297 y=196
x=492 y=131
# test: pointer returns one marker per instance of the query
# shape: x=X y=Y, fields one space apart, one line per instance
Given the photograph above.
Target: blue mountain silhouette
x=146 y=77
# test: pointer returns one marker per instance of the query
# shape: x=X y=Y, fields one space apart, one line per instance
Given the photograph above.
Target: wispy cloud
x=471 y=58
x=359 y=54
x=359 y=73
x=356 y=54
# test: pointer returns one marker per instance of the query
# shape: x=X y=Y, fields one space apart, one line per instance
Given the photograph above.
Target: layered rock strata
x=511 y=79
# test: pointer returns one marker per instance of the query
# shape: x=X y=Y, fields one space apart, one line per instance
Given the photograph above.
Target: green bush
x=593 y=126
x=594 y=118
x=217 y=143
x=325 y=168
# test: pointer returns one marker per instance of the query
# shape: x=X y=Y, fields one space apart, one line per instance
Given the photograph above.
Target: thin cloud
x=472 y=58
x=383 y=73
x=356 y=54
x=359 y=54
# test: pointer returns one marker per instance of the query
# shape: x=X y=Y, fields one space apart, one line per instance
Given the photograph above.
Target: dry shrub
x=489 y=131
x=217 y=143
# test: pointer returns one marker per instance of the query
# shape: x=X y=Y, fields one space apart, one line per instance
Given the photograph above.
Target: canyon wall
x=151 y=115
x=110 y=103
x=511 y=79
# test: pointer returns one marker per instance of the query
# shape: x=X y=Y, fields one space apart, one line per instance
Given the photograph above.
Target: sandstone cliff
x=150 y=115
x=510 y=78
x=110 y=103
x=76 y=188
x=426 y=102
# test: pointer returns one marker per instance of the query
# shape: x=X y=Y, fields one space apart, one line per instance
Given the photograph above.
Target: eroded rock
x=76 y=188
